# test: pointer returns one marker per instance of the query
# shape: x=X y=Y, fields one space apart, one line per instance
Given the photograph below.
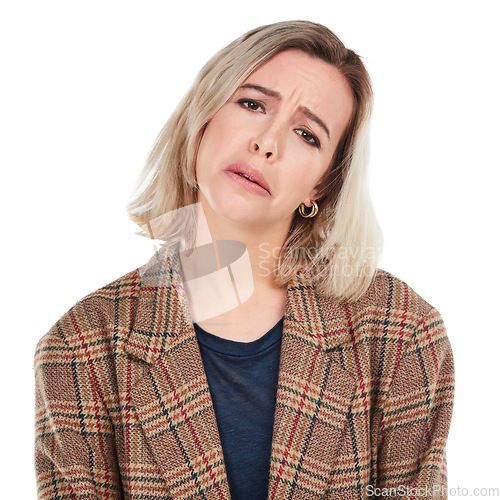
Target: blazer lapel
x=169 y=390
x=171 y=397
x=314 y=395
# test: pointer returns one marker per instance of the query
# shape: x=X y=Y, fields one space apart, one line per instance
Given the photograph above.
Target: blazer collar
x=172 y=399
x=162 y=310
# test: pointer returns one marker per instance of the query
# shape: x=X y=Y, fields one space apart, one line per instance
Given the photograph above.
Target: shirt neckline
x=236 y=348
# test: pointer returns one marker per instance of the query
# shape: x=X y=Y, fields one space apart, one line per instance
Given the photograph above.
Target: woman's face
x=280 y=128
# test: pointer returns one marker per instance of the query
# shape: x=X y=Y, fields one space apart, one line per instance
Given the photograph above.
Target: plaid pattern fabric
x=123 y=407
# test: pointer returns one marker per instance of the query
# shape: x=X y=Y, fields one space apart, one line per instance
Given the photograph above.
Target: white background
x=86 y=87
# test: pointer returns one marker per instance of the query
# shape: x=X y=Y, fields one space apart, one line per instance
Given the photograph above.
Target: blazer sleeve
x=75 y=454
x=417 y=416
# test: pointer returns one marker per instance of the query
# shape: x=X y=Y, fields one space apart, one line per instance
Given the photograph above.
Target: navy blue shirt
x=243 y=380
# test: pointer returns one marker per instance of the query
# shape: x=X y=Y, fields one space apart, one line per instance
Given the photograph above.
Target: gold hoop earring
x=312 y=213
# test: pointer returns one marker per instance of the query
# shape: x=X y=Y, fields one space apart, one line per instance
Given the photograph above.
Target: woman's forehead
x=308 y=80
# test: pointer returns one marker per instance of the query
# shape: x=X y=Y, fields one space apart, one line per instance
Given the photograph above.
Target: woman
x=260 y=353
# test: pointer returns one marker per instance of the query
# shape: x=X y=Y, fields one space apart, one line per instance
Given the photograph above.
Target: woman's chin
x=242 y=216
x=239 y=212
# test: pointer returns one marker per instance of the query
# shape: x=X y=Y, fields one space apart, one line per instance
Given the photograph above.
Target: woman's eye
x=309 y=137
x=251 y=105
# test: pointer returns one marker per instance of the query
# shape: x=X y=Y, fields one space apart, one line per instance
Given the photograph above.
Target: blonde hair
x=338 y=249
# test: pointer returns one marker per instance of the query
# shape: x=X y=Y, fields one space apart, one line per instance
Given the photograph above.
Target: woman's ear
x=312 y=196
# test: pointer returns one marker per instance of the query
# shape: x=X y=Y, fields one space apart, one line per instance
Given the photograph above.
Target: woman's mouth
x=249 y=178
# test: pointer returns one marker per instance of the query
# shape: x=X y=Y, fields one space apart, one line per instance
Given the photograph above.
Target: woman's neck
x=263 y=244
x=233 y=285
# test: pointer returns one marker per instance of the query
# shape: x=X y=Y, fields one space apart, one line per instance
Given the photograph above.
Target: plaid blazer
x=364 y=398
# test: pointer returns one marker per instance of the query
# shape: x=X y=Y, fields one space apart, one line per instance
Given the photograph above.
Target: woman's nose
x=268 y=142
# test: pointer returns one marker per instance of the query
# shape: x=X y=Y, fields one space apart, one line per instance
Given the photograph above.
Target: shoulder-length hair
x=337 y=250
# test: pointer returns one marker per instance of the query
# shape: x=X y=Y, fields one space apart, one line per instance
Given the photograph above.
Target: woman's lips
x=249 y=178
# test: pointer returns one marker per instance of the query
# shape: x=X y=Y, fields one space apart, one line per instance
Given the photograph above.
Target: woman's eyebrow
x=315 y=118
x=262 y=90
x=273 y=93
